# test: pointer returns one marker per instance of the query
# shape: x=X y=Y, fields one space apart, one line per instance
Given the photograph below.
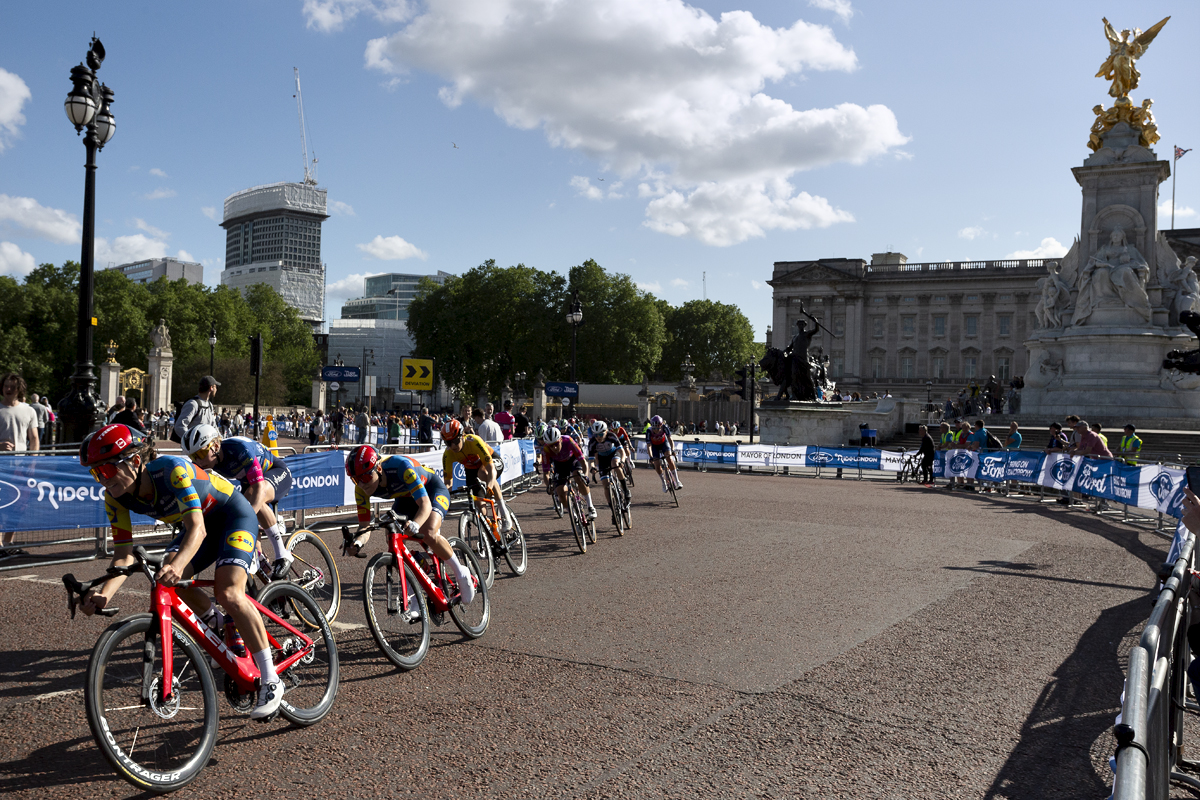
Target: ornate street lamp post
x=87 y=106
x=212 y=347
x=574 y=317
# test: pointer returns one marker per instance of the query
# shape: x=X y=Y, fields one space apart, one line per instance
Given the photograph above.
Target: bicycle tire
x=405 y=642
x=629 y=473
x=311 y=684
x=518 y=551
x=472 y=619
x=319 y=578
x=558 y=506
x=627 y=511
x=576 y=522
x=122 y=723
x=615 y=504
x=473 y=533
x=671 y=488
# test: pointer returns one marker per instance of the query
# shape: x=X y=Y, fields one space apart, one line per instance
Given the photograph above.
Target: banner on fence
x=1162 y=489
x=756 y=455
x=317 y=480
x=1058 y=471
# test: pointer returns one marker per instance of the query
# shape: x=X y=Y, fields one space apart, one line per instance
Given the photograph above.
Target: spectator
x=362 y=422
x=1089 y=443
x=926 y=452
x=197 y=411
x=1058 y=440
x=425 y=424
x=520 y=424
x=336 y=420
x=18 y=433
x=1131 y=445
x=224 y=426
x=394 y=430
x=117 y=406
x=129 y=416
x=486 y=429
x=1095 y=426
x=314 y=428
x=43 y=414
x=1013 y=440
x=977 y=442
x=506 y=420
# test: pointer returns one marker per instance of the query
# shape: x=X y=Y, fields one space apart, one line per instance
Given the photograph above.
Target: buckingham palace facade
x=896 y=325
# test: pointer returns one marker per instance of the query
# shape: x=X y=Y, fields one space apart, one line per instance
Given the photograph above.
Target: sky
x=689 y=146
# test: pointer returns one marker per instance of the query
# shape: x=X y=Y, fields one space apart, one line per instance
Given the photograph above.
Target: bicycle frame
x=434 y=596
x=492 y=520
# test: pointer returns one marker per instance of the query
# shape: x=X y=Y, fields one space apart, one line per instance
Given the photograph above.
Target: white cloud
x=726 y=213
x=125 y=249
x=391 y=248
x=330 y=15
x=158 y=172
x=973 y=232
x=349 y=287
x=1049 y=248
x=755 y=285
x=584 y=187
x=184 y=255
x=341 y=209
x=13 y=94
x=840 y=7
x=159 y=194
x=654 y=287
x=142 y=225
x=659 y=90
x=1181 y=212
x=47 y=223
x=15 y=262
x=211 y=213
x=679 y=283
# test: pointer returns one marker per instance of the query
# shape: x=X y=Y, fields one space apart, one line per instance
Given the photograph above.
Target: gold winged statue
x=1124 y=50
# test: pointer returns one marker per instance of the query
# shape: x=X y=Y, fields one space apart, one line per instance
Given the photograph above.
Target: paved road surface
x=774 y=637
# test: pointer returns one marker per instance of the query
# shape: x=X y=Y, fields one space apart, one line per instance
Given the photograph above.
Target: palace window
x=876 y=367
x=971 y=324
x=1003 y=324
x=970 y=366
x=939 y=366
x=877 y=327
x=939 y=324
x=1003 y=369
x=908 y=324
x=906 y=367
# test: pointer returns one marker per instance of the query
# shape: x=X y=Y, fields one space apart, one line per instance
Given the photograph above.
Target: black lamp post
x=575 y=317
x=87 y=106
x=928 y=392
x=212 y=347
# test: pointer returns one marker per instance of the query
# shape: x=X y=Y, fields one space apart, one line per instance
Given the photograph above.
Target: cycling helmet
x=451 y=430
x=109 y=444
x=551 y=435
x=599 y=429
x=539 y=429
x=198 y=438
x=361 y=461
x=656 y=421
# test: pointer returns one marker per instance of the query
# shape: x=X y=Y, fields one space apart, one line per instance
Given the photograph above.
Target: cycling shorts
x=564 y=469
x=230 y=537
x=439 y=498
x=280 y=478
x=606 y=463
x=472 y=476
x=658 y=451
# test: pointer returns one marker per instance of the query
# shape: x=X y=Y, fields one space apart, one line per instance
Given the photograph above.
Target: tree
x=623 y=332
x=717 y=336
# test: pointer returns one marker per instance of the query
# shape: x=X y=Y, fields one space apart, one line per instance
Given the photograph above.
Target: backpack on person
x=992 y=442
x=174 y=437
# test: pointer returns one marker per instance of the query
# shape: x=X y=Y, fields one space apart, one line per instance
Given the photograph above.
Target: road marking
x=345 y=626
x=48 y=695
x=33 y=579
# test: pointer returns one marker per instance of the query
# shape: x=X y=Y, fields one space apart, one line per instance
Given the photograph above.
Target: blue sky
x=729 y=135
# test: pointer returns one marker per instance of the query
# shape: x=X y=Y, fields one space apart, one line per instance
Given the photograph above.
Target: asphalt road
x=773 y=637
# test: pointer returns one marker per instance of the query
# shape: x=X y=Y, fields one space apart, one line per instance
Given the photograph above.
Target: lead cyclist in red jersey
x=662 y=447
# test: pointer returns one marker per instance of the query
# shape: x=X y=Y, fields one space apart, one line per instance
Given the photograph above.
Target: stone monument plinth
x=160 y=375
x=832 y=424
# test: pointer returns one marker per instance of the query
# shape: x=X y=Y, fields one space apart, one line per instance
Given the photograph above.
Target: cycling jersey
x=568 y=452
x=243 y=460
x=606 y=447
x=658 y=436
x=623 y=435
x=408 y=480
x=506 y=421
x=474 y=454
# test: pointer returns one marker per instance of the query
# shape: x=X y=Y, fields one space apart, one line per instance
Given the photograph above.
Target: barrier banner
x=791 y=455
x=939 y=464
x=528 y=455
x=993 y=467
x=48 y=493
x=890 y=461
x=317 y=480
x=842 y=457
x=1107 y=479
x=692 y=452
x=756 y=455
x=960 y=463
x=514 y=464
x=1058 y=471
x=1024 y=467
x=1162 y=489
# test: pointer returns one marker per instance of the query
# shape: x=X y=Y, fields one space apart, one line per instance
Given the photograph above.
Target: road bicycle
x=405 y=591
x=910 y=467
x=558 y=506
x=583 y=528
x=479 y=526
x=313 y=569
x=150 y=696
x=672 y=477
x=619 y=501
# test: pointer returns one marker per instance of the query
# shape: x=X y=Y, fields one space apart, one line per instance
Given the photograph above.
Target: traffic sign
x=343 y=374
x=562 y=389
x=566 y=401
x=416 y=374
x=333 y=387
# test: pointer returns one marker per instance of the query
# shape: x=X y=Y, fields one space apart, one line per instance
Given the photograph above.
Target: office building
x=167 y=267
x=387 y=296
x=273 y=236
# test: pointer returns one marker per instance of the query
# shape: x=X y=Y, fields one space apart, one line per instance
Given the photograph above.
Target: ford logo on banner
x=1061 y=472
x=992 y=468
x=1162 y=486
x=960 y=462
x=9 y=494
x=1092 y=479
x=822 y=457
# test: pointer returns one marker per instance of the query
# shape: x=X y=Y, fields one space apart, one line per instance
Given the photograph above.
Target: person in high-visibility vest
x=1131 y=445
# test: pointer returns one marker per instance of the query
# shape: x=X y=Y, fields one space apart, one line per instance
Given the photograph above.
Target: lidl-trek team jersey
x=474 y=454
x=243 y=460
x=569 y=451
x=405 y=478
x=180 y=487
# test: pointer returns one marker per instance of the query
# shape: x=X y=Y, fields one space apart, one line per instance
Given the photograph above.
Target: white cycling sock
x=266 y=667
x=503 y=506
x=275 y=537
x=461 y=571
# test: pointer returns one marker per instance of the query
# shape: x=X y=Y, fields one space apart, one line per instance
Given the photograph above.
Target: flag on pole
x=1179 y=152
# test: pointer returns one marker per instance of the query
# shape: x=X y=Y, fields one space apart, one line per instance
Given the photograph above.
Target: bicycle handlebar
x=76 y=590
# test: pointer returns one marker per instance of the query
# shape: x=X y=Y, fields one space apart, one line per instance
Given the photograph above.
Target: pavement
x=772 y=637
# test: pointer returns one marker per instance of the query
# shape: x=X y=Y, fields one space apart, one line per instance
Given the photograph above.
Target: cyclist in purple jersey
x=564 y=456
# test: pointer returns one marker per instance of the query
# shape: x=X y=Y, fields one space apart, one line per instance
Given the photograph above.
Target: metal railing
x=942 y=266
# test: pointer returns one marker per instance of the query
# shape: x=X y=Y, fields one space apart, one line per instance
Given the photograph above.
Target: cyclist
x=626 y=442
x=217 y=525
x=607 y=449
x=265 y=479
x=568 y=461
x=481 y=466
x=420 y=495
x=662 y=447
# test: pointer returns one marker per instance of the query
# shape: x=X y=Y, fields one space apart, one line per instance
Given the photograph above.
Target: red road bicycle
x=159 y=732
x=404 y=591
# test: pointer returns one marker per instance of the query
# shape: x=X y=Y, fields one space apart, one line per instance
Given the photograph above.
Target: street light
x=212 y=346
x=928 y=392
x=87 y=106
x=575 y=318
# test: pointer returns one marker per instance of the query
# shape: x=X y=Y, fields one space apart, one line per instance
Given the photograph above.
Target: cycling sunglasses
x=108 y=471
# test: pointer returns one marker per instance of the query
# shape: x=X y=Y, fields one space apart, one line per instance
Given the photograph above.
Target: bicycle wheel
x=479 y=539
x=315 y=571
x=629 y=473
x=558 y=506
x=152 y=745
x=627 y=510
x=310 y=684
x=589 y=527
x=518 y=553
x=472 y=619
x=577 y=521
x=403 y=636
x=614 y=505
x=671 y=479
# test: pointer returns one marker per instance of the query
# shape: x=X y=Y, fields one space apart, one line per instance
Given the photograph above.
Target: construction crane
x=310 y=174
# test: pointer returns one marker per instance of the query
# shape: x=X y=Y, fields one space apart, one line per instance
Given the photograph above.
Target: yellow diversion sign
x=416 y=374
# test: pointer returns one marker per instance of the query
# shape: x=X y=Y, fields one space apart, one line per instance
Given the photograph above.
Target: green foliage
x=38 y=335
x=622 y=334
x=717 y=336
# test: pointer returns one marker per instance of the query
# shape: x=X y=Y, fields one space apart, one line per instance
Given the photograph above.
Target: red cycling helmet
x=109 y=444
x=362 y=460
x=451 y=430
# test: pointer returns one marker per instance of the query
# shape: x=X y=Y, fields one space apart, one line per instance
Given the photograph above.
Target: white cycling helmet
x=198 y=438
x=599 y=429
x=551 y=435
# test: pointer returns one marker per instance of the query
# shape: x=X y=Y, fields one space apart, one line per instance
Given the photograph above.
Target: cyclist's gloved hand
x=92 y=602
x=411 y=529
x=169 y=575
